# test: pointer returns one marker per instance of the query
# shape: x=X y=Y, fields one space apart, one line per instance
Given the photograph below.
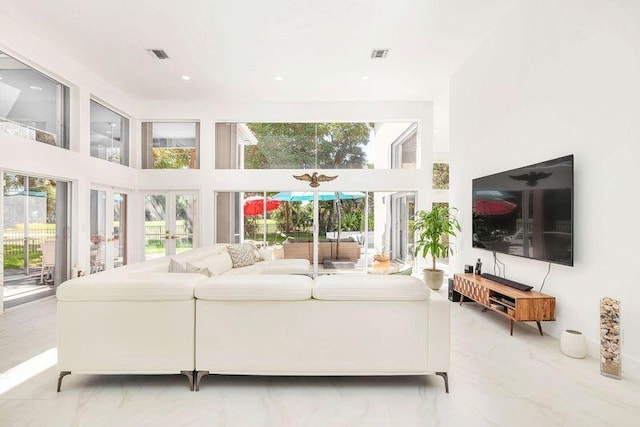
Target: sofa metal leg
x=199 y=375
x=445 y=377
x=62 y=375
x=189 y=375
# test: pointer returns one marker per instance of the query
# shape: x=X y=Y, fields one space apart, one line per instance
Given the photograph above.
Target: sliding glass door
x=34 y=240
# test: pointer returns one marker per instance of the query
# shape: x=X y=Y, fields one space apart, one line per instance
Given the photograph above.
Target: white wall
x=558 y=78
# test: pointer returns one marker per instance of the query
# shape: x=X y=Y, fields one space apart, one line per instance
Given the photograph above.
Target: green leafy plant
x=432 y=226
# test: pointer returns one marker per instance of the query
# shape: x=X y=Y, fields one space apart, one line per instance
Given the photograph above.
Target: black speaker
x=453 y=295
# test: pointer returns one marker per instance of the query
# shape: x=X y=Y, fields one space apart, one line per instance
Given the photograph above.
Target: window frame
x=146 y=143
x=125 y=131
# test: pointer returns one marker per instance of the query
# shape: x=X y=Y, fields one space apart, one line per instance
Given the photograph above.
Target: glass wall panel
x=170 y=145
x=32 y=105
x=352 y=227
x=329 y=145
x=109 y=135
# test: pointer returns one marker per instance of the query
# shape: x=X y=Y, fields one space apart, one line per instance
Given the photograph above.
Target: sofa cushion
x=131 y=287
x=242 y=254
x=255 y=287
x=369 y=287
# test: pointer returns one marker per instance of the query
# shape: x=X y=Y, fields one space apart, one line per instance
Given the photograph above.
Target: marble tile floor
x=496 y=380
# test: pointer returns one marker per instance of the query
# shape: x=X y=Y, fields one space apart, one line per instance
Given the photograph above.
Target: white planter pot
x=573 y=344
x=433 y=278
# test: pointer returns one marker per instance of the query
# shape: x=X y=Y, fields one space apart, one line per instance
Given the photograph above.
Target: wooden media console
x=515 y=305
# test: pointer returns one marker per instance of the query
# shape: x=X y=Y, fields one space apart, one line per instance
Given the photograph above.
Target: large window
x=351 y=228
x=170 y=145
x=109 y=135
x=34 y=237
x=404 y=150
x=327 y=145
x=32 y=105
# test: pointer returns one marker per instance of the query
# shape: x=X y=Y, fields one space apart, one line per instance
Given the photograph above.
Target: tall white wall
x=556 y=78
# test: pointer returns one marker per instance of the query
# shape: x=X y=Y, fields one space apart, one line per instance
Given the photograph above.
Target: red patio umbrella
x=255 y=205
x=494 y=207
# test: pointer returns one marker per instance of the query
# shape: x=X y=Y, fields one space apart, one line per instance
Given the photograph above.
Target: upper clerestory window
x=32 y=105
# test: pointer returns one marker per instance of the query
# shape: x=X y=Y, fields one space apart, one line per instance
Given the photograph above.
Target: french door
x=169 y=223
x=108 y=229
x=402 y=238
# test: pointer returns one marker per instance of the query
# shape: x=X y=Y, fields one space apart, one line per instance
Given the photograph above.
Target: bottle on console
x=478 y=266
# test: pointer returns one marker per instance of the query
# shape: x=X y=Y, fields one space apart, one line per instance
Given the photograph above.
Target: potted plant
x=434 y=228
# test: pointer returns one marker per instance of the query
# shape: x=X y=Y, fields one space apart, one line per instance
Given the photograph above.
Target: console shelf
x=514 y=304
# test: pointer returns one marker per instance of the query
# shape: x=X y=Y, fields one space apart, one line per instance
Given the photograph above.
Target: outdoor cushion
x=369 y=287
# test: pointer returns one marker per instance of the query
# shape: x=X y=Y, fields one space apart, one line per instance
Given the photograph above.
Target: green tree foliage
x=293 y=145
x=172 y=158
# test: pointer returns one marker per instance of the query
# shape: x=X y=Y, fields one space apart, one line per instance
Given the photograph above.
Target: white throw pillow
x=195 y=267
x=176 y=266
x=217 y=264
x=266 y=254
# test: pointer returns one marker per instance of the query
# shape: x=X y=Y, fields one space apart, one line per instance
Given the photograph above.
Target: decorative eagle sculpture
x=532 y=178
x=314 y=179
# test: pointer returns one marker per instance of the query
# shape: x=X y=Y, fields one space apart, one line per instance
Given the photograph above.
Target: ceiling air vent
x=158 y=53
x=379 y=53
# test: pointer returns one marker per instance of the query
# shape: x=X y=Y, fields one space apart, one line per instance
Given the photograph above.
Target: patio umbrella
x=255 y=205
x=299 y=196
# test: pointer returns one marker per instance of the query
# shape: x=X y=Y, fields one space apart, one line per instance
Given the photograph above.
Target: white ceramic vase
x=573 y=344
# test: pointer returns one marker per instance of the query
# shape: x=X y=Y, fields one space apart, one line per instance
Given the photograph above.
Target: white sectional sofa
x=264 y=319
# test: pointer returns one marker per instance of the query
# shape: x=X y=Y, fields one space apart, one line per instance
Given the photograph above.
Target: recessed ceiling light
x=186 y=78
x=35 y=87
x=365 y=77
x=279 y=78
x=107 y=131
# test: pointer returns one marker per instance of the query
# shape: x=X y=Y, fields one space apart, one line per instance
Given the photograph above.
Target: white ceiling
x=233 y=50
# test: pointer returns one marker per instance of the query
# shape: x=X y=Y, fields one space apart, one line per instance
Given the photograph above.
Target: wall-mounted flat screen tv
x=527 y=211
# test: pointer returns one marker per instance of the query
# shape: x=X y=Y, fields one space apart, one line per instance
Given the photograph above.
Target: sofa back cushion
x=369 y=287
x=255 y=287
